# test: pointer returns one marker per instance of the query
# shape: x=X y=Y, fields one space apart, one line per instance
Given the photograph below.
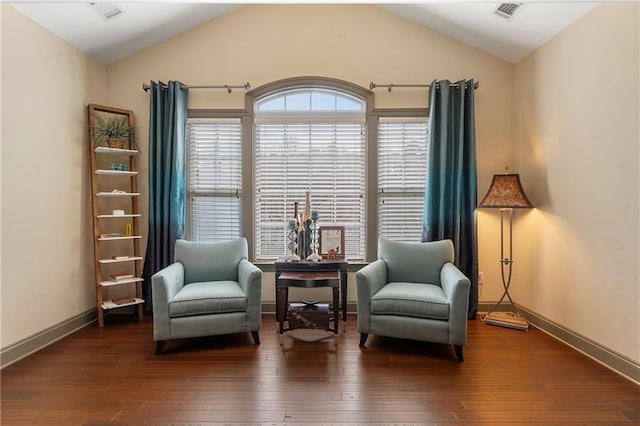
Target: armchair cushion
x=210 y=262
x=415 y=262
x=412 y=300
x=208 y=298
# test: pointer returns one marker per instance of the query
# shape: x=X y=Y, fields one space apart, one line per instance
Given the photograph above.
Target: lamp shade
x=506 y=192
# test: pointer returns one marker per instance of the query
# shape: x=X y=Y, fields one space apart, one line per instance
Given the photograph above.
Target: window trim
x=372 y=115
x=307 y=82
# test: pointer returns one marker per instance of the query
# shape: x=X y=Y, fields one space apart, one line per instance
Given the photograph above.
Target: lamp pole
x=506 y=262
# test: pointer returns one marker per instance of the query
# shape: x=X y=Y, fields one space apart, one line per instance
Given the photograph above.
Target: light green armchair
x=211 y=289
x=413 y=291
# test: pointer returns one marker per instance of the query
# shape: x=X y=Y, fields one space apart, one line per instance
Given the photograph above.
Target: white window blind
x=402 y=165
x=326 y=159
x=214 y=179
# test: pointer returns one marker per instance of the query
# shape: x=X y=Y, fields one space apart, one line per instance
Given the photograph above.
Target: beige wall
x=47 y=258
x=577 y=138
x=358 y=43
x=1 y=9
x=574 y=103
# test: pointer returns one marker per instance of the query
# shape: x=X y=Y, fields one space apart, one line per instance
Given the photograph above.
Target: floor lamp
x=506 y=194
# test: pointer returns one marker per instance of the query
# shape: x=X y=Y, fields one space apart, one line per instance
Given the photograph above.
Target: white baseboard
x=614 y=361
x=620 y=364
x=31 y=344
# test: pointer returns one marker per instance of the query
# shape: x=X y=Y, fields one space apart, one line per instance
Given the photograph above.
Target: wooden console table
x=309 y=280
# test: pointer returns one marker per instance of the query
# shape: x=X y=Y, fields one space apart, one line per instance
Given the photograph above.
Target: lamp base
x=506 y=319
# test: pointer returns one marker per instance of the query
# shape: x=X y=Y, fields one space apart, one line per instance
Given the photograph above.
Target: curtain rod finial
x=145 y=87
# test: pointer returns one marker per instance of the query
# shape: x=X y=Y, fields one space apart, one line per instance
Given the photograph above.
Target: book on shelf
x=117 y=277
x=123 y=300
x=119 y=257
x=110 y=235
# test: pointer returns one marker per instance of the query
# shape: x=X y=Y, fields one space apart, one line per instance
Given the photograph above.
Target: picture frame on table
x=331 y=242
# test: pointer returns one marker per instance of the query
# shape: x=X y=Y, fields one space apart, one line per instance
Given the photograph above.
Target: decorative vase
x=292 y=245
x=314 y=243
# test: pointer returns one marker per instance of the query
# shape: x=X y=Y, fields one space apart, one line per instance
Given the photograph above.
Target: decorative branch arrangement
x=302 y=234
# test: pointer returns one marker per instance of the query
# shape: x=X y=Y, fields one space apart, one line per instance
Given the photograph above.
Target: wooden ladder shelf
x=116 y=217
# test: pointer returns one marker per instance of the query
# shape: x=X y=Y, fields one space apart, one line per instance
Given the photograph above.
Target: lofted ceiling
x=143 y=24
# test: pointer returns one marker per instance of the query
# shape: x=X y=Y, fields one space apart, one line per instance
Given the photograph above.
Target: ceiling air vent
x=508 y=10
x=107 y=11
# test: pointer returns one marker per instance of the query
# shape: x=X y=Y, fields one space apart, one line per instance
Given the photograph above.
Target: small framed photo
x=332 y=242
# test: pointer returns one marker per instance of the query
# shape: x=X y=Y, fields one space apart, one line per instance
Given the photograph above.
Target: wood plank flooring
x=111 y=376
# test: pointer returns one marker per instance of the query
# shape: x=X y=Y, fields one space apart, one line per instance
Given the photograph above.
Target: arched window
x=312 y=103
x=309 y=139
x=364 y=167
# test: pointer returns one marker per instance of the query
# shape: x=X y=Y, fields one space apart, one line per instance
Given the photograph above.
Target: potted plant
x=114 y=131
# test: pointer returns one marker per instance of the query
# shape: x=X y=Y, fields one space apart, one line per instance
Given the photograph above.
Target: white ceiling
x=476 y=24
x=144 y=24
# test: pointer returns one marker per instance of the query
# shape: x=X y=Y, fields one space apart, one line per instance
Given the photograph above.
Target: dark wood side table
x=339 y=266
x=306 y=280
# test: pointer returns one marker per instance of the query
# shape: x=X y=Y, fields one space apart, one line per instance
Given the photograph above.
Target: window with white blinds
x=321 y=153
x=402 y=164
x=214 y=179
x=325 y=159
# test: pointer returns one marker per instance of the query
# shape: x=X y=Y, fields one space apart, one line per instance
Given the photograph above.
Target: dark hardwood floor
x=111 y=376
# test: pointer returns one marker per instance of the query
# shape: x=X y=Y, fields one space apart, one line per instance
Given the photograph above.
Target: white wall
x=358 y=43
x=577 y=138
x=47 y=251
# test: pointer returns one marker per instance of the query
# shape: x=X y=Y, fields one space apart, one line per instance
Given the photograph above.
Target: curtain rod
x=390 y=86
x=245 y=86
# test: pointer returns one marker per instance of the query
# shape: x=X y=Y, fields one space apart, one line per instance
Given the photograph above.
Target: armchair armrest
x=456 y=287
x=369 y=280
x=165 y=284
x=250 y=280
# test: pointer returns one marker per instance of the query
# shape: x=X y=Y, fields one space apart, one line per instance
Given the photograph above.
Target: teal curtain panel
x=167 y=193
x=451 y=182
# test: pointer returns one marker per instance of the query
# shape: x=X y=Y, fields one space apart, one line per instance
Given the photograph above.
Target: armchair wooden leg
x=363 y=339
x=458 y=349
x=160 y=346
x=256 y=337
